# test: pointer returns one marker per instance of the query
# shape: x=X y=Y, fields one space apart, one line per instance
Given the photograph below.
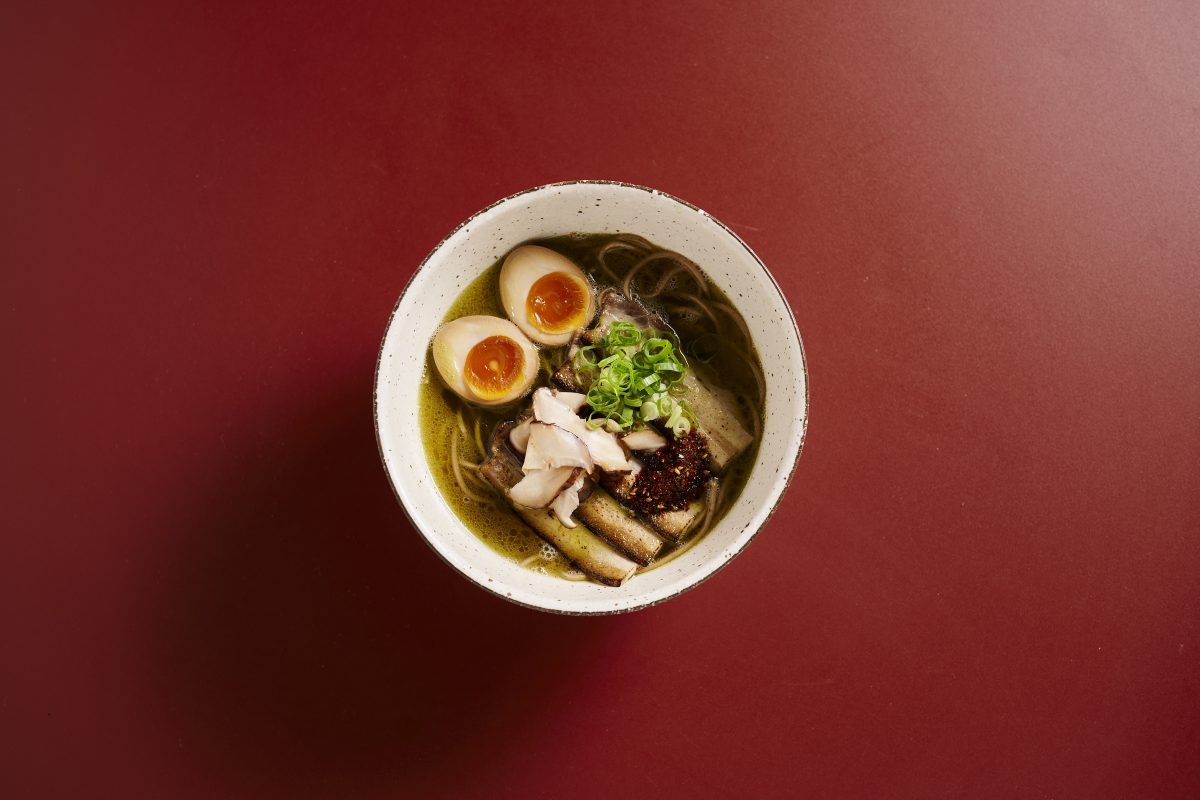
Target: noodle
x=479 y=438
x=701 y=306
x=603 y=266
x=681 y=263
x=627 y=284
x=711 y=501
x=629 y=241
x=608 y=273
x=736 y=317
x=757 y=425
x=462 y=484
x=755 y=371
x=474 y=474
x=624 y=242
x=694 y=271
x=671 y=556
x=662 y=282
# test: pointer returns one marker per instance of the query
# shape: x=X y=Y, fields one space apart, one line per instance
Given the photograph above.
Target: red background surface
x=984 y=581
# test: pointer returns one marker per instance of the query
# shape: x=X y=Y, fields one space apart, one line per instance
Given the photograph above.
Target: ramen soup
x=592 y=406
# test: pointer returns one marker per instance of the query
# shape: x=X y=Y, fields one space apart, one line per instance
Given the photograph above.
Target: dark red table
x=984 y=582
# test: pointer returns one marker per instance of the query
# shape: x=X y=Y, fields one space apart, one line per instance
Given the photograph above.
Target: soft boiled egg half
x=545 y=294
x=485 y=360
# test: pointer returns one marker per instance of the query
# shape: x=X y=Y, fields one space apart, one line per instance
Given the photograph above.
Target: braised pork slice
x=591 y=554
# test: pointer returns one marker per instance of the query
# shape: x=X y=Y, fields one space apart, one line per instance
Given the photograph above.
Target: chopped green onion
x=634 y=378
x=675 y=416
x=586 y=357
x=656 y=350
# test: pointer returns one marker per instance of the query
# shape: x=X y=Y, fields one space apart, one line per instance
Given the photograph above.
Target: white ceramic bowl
x=592 y=207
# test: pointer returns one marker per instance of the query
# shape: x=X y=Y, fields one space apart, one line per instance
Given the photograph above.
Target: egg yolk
x=556 y=303
x=493 y=366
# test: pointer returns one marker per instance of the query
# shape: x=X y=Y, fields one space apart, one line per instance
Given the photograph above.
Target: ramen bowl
x=588 y=207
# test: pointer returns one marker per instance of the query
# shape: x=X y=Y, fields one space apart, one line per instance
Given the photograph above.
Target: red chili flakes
x=671 y=477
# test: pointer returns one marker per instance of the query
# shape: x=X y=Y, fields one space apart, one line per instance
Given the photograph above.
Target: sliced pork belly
x=619 y=527
x=591 y=554
x=671 y=525
x=716 y=419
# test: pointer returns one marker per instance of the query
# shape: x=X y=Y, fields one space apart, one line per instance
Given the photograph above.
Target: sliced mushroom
x=539 y=488
x=567 y=501
x=648 y=439
x=518 y=437
x=605 y=449
x=550 y=446
x=572 y=400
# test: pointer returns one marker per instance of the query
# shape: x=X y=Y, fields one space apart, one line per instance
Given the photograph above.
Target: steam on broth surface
x=713 y=339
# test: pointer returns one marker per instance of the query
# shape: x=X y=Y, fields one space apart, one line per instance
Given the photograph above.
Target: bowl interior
x=592 y=207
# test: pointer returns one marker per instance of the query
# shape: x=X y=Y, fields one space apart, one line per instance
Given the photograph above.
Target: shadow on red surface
x=310 y=628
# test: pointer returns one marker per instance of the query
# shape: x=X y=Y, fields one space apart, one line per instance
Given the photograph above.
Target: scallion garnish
x=635 y=377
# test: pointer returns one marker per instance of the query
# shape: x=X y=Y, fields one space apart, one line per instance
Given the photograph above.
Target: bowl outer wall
x=592 y=207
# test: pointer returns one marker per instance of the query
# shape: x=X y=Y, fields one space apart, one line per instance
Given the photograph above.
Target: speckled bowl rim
x=724 y=562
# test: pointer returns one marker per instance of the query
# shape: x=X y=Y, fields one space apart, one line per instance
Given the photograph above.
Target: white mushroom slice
x=572 y=400
x=539 y=488
x=567 y=501
x=518 y=437
x=551 y=446
x=606 y=451
x=647 y=439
